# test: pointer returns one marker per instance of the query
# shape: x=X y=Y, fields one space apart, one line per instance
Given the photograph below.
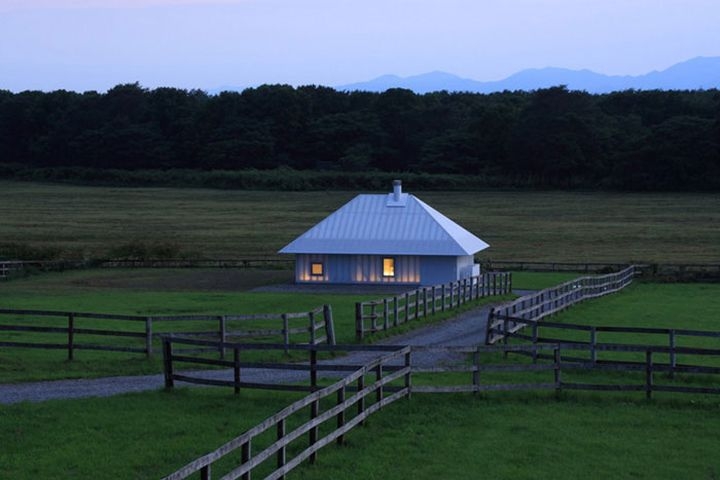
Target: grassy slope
x=555 y=226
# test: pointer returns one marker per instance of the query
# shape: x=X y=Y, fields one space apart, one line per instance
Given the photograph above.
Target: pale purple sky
x=96 y=44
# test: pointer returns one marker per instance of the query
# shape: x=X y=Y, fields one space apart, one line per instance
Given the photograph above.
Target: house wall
x=358 y=269
x=363 y=269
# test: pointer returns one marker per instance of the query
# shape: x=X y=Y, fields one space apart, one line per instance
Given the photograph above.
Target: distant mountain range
x=694 y=74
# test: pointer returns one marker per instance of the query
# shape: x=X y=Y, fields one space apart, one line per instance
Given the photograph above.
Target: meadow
x=100 y=222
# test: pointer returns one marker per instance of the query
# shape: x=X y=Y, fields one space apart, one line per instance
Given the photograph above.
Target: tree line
x=638 y=140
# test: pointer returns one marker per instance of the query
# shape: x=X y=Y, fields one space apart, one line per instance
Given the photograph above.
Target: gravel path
x=465 y=329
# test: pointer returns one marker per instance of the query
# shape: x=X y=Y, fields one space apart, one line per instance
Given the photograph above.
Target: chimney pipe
x=397 y=190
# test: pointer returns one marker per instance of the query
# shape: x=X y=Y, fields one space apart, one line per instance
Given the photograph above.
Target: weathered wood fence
x=670 y=337
x=642 y=269
x=397 y=366
x=560 y=363
x=317 y=324
x=552 y=300
x=347 y=412
x=9 y=268
x=381 y=315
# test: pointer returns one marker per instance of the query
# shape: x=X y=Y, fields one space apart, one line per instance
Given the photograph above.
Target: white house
x=386 y=238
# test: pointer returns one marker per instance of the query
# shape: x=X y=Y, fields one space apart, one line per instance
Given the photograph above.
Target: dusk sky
x=96 y=44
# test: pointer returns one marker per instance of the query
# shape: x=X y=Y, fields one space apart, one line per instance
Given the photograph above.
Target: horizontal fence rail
x=672 y=337
x=559 y=363
x=681 y=271
x=552 y=300
x=382 y=315
x=349 y=411
x=397 y=366
x=316 y=326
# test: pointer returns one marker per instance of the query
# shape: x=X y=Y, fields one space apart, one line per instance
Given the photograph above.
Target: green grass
x=140 y=436
x=522 y=436
x=528 y=437
x=540 y=280
x=158 y=292
x=541 y=226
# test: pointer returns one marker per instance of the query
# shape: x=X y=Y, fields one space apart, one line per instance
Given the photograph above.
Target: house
x=387 y=238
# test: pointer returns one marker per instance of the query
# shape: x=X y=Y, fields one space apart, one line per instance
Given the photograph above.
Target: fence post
x=505 y=336
x=489 y=327
x=395 y=311
x=433 y=299
x=329 y=325
x=534 y=341
x=673 y=359
x=378 y=378
x=373 y=317
x=386 y=322
x=361 y=401
x=452 y=292
x=236 y=369
x=205 y=472
x=311 y=322
x=245 y=452
x=222 y=325
x=442 y=300
x=476 y=370
x=648 y=374
x=408 y=376
x=425 y=309
x=286 y=332
x=148 y=337
x=341 y=414
x=359 y=321
x=593 y=344
x=281 y=454
x=313 y=368
x=167 y=362
x=558 y=377
x=71 y=335
x=313 y=433
x=407 y=307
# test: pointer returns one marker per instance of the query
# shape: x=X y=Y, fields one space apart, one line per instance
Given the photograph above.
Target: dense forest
x=638 y=140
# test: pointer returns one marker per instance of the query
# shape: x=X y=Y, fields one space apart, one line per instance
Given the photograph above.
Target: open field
x=553 y=226
x=523 y=436
x=154 y=292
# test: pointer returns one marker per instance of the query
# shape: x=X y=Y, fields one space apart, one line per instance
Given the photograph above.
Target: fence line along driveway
x=467 y=328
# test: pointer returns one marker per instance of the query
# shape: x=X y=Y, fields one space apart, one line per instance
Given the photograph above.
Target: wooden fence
x=560 y=363
x=671 y=337
x=381 y=315
x=643 y=269
x=318 y=325
x=552 y=300
x=347 y=412
x=10 y=268
x=397 y=366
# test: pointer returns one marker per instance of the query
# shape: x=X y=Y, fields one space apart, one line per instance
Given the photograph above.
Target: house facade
x=390 y=238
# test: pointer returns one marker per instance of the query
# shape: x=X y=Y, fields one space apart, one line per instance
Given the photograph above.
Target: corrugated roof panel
x=367 y=225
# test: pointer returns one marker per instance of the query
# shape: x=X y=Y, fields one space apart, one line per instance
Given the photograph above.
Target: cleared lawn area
x=154 y=292
x=140 y=436
x=528 y=437
x=541 y=226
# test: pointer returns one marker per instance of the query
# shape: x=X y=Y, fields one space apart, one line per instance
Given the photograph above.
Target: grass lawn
x=158 y=292
x=523 y=436
x=140 y=436
x=541 y=226
x=528 y=437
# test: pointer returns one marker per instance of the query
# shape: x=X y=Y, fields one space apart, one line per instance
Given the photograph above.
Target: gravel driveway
x=465 y=329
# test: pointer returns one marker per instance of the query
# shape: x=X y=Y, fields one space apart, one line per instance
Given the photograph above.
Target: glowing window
x=388 y=267
x=316 y=269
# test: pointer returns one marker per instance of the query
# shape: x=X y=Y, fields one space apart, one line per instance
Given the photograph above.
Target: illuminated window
x=316 y=269
x=388 y=267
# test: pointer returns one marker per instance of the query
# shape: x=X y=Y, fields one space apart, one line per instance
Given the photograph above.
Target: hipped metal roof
x=381 y=225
